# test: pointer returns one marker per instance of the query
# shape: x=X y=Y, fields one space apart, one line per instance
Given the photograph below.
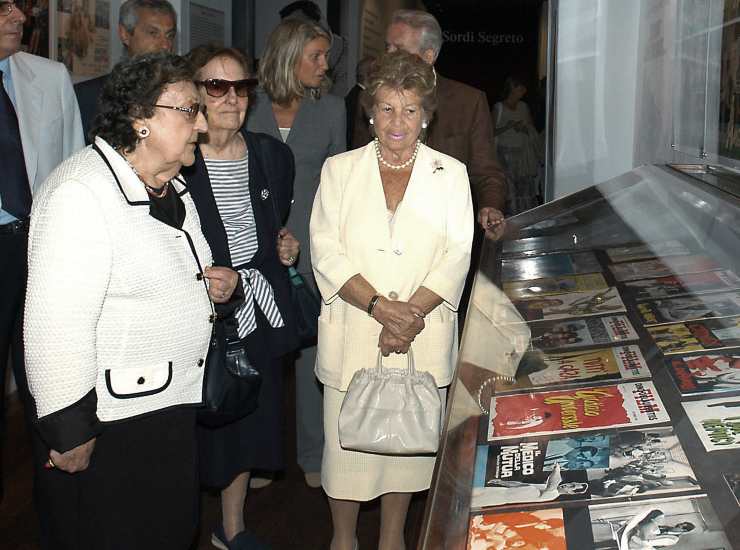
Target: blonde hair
x=277 y=68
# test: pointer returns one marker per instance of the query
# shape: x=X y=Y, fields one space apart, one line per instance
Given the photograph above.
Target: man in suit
x=144 y=26
x=39 y=128
x=461 y=126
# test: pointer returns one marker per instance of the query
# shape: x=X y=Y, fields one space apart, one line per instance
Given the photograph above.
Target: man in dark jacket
x=144 y=26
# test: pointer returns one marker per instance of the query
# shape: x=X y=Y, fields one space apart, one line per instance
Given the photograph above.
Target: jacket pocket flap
x=126 y=383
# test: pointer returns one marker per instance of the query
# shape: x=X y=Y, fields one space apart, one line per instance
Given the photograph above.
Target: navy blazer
x=88 y=93
x=271 y=173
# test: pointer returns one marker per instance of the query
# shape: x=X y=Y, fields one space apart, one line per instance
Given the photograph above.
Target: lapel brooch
x=437 y=165
x=264 y=194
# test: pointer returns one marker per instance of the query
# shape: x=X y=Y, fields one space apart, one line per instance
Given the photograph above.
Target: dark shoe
x=242 y=541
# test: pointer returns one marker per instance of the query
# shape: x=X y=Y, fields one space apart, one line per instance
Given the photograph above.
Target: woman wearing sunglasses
x=242 y=184
x=118 y=317
x=292 y=105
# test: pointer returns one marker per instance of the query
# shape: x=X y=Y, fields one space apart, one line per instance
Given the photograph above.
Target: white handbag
x=391 y=411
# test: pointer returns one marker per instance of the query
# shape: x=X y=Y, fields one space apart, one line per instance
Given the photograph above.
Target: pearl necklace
x=401 y=166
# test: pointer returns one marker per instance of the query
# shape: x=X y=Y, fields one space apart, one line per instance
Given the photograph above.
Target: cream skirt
x=354 y=475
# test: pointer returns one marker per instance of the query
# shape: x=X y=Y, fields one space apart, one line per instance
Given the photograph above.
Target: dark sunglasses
x=217 y=87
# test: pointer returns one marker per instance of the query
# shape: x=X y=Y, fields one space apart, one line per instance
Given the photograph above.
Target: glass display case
x=596 y=402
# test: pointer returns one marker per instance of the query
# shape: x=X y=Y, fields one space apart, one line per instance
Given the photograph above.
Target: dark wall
x=488 y=40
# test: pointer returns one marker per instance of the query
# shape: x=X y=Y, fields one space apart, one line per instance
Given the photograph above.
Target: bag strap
x=410 y=365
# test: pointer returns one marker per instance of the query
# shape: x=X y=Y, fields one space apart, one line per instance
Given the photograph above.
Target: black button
x=141 y=380
x=199 y=276
x=200 y=362
x=211 y=318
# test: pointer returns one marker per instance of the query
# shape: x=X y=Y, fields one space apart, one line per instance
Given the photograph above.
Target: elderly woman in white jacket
x=391 y=232
x=118 y=315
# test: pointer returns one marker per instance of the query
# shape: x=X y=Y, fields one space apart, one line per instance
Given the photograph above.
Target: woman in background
x=517 y=144
x=292 y=105
x=241 y=183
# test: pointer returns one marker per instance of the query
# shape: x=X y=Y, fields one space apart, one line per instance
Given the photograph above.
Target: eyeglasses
x=7 y=7
x=190 y=112
x=217 y=87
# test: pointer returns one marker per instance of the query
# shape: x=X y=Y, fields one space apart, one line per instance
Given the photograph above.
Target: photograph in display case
x=610 y=465
x=552 y=265
x=703 y=375
x=631 y=404
x=729 y=90
x=644 y=251
x=703 y=335
x=689 y=308
x=716 y=422
x=551 y=286
x=537 y=368
x=680 y=285
x=664 y=267
x=580 y=333
x=574 y=304
x=534 y=529
x=681 y=523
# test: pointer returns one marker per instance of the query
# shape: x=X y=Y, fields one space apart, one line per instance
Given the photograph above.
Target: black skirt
x=141 y=488
x=253 y=443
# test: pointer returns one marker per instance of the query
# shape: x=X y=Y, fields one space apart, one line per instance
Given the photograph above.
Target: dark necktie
x=14 y=189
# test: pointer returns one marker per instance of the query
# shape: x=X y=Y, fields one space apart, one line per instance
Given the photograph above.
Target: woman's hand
x=221 y=283
x=403 y=319
x=287 y=247
x=74 y=460
x=390 y=344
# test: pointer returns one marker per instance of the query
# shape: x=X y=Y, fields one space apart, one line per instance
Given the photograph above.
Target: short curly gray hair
x=430 y=37
x=128 y=15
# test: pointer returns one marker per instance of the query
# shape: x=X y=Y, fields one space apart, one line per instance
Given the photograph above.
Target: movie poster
x=537 y=368
x=574 y=304
x=83 y=37
x=716 y=421
x=574 y=410
x=535 y=529
x=680 y=285
x=635 y=252
x=680 y=523
x=551 y=286
x=689 y=308
x=551 y=265
x=671 y=265
x=607 y=465
x=703 y=335
x=704 y=375
x=581 y=333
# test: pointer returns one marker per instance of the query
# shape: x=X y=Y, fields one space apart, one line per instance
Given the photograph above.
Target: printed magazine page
x=578 y=367
x=716 y=421
x=705 y=375
x=689 y=308
x=708 y=334
x=580 y=333
x=575 y=304
x=680 y=285
x=552 y=265
x=550 y=286
x=671 y=265
x=595 y=466
x=573 y=410
x=634 y=252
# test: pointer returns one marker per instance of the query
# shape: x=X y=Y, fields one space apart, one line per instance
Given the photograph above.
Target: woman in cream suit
x=391 y=232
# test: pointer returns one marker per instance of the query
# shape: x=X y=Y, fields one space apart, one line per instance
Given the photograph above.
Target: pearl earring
x=143 y=132
x=372 y=121
x=424 y=124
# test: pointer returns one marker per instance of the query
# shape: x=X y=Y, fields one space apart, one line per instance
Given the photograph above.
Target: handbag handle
x=410 y=366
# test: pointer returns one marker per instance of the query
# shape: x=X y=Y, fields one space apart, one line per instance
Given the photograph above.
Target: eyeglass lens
x=217 y=87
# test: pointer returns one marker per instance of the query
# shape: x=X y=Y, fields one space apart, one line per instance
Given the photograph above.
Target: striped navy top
x=230 y=185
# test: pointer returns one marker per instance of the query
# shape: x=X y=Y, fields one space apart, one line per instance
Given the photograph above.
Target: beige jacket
x=429 y=245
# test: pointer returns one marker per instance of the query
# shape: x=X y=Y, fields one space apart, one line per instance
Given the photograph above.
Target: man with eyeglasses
x=39 y=128
x=144 y=26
